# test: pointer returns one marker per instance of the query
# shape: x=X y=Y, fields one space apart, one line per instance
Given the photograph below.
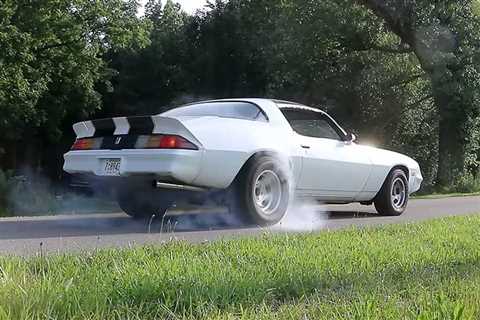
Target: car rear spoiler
x=143 y=125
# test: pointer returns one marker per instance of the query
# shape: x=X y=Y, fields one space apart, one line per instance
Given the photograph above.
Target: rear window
x=227 y=109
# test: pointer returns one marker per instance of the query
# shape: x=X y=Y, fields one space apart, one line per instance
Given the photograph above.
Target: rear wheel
x=143 y=204
x=261 y=192
x=393 y=197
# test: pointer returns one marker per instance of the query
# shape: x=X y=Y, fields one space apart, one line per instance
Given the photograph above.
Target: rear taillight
x=87 y=144
x=157 y=141
x=161 y=141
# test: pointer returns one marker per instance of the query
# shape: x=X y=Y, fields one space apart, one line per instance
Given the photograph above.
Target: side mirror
x=350 y=138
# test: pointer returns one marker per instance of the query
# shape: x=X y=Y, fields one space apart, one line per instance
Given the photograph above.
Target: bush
x=22 y=195
x=30 y=196
x=468 y=184
x=33 y=194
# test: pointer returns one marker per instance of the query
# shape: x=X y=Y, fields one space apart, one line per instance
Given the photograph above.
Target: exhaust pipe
x=172 y=186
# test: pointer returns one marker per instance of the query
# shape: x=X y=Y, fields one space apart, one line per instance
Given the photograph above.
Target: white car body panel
x=329 y=170
x=383 y=161
x=333 y=169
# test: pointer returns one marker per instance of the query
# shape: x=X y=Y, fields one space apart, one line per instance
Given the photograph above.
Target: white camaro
x=251 y=154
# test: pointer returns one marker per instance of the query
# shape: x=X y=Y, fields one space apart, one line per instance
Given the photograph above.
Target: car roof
x=267 y=105
x=281 y=104
x=278 y=101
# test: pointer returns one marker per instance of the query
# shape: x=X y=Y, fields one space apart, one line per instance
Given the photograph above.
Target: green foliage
x=444 y=37
x=20 y=195
x=154 y=76
x=467 y=183
x=51 y=58
x=417 y=271
x=31 y=196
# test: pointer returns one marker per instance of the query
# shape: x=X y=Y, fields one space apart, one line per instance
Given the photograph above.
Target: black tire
x=385 y=202
x=245 y=198
x=143 y=204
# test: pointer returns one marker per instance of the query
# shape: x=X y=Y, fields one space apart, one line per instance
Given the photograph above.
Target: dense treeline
x=401 y=74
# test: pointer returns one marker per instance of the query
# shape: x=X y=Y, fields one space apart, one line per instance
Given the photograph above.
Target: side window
x=311 y=124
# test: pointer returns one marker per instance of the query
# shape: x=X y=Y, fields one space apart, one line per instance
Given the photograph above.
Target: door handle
x=305 y=146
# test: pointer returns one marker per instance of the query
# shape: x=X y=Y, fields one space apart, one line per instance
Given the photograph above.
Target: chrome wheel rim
x=267 y=192
x=398 y=194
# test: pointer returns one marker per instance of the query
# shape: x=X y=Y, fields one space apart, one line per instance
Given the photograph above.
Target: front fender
x=383 y=161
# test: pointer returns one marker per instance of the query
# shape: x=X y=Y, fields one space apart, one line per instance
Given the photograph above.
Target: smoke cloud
x=31 y=193
x=303 y=216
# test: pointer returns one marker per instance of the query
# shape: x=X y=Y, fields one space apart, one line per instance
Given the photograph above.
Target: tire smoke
x=303 y=216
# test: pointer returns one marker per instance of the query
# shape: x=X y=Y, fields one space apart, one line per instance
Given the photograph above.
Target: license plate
x=111 y=167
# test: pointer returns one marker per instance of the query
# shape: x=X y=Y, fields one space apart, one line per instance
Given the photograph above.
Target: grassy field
x=416 y=271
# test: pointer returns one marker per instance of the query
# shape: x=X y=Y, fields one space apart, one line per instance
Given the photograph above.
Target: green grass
x=415 y=271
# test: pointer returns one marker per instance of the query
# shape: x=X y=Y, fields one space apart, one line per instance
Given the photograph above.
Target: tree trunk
x=453 y=118
x=451 y=161
x=11 y=155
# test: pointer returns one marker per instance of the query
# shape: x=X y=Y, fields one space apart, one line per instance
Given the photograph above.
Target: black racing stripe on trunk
x=103 y=127
x=120 y=142
x=141 y=125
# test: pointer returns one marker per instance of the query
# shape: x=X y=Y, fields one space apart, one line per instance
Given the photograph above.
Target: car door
x=333 y=169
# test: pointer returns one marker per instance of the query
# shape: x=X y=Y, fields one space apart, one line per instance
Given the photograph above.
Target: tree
x=149 y=79
x=51 y=61
x=228 y=42
x=444 y=36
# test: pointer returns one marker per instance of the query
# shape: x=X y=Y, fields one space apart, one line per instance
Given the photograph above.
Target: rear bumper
x=179 y=165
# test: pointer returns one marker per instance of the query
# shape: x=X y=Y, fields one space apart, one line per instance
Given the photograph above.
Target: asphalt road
x=73 y=233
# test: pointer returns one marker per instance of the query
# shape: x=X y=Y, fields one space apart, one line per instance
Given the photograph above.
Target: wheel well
x=251 y=159
x=403 y=168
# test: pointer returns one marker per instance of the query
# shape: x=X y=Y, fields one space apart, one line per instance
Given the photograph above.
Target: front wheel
x=261 y=192
x=393 y=197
